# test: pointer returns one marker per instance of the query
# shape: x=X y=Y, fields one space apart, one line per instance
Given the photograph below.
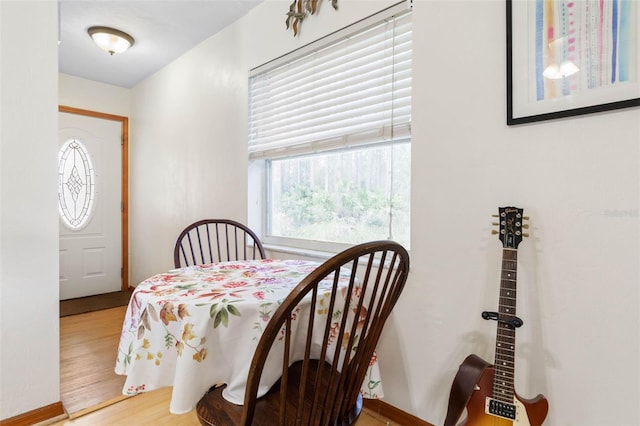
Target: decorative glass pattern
x=76 y=184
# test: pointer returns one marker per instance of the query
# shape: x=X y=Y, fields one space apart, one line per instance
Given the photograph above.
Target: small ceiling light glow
x=111 y=40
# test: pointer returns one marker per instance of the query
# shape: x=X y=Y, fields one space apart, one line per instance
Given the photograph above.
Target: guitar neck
x=503 y=386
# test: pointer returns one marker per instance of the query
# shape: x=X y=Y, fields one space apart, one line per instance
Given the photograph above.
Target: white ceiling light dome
x=111 y=40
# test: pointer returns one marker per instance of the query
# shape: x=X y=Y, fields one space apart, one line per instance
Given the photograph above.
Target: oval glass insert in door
x=76 y=184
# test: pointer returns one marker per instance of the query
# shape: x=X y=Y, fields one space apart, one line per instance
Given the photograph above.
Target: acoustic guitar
x=494 y=401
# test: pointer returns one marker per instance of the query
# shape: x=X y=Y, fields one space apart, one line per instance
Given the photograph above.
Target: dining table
x=194 y=327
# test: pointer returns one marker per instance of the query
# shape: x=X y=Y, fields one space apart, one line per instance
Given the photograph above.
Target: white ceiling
x=163 y=30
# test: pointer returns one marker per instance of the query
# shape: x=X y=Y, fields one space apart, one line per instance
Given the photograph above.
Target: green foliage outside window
x=347 y=197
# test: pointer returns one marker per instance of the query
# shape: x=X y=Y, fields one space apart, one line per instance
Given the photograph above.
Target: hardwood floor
x=152 y=408
x=92 y=393
x=88 y=345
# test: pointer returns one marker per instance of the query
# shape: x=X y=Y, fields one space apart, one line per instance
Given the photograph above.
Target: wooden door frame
x=124 y=121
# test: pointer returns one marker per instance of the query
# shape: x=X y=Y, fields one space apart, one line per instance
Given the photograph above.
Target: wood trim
x=96 y=114
x=125 y=180
x=125 y=204
x=392 y=413
x=38 y=415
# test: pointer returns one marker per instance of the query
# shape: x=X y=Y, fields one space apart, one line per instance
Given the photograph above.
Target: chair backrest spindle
x=216 y=240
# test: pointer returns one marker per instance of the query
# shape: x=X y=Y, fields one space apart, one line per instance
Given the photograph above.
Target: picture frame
x=571 y=57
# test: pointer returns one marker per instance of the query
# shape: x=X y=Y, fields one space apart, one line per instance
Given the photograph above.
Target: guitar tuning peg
x=495 y=223
x=526 y=235
x=495 y=215
x=525 y=226
x=525 y=217
x=494 y=232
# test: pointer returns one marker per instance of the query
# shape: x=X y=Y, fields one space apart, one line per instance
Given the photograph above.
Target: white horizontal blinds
x=356 y=91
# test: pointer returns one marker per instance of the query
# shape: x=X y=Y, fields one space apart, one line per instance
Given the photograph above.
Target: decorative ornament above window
x=299 y=10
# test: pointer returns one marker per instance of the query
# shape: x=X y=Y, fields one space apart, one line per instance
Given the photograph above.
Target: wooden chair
x=216 y=240
x=313 y=392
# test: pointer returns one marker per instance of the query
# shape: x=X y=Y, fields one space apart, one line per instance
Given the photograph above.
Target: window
x=329 y=130
x=76 y=184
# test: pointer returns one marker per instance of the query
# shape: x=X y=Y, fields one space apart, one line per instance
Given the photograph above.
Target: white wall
x=576 y=178
x=186 y=159
x=29 y=327
x=93 y=96
x=578 y=273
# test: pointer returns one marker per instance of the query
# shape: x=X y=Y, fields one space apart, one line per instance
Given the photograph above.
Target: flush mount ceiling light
x=111 y=40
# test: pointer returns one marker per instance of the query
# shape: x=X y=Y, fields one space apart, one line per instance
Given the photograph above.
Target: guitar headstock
x=510 y=226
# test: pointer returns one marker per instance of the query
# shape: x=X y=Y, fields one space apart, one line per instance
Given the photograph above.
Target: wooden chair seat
x=214 y=410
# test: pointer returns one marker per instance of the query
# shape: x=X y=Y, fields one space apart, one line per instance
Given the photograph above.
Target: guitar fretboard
x=503 y=386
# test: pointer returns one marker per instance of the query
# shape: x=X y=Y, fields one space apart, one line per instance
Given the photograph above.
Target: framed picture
x=571 y=57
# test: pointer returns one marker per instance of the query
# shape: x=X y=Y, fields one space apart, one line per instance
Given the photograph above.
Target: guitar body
x=529 y=412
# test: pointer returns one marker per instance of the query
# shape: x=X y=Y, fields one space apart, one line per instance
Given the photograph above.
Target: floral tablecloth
x=194 y=327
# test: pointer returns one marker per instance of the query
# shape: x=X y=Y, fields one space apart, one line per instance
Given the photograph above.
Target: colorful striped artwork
x=581 y=45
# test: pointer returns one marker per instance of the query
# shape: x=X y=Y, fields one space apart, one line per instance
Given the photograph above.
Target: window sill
x=288 y=252
x=297 y=252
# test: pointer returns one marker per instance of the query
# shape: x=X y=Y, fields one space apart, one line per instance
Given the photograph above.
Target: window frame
x=259 y=216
